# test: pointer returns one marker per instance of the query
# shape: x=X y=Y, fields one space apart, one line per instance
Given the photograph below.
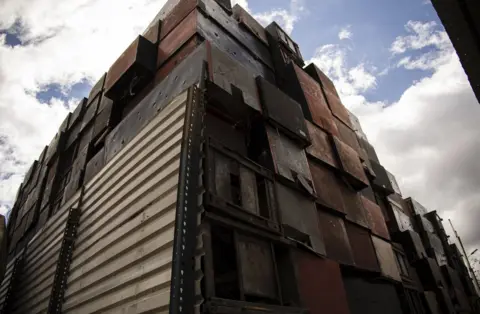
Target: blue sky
x=395 y=68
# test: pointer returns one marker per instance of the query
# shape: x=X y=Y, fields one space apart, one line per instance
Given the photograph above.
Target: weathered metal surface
x=256 y=267
x=103 y=120
x=152 y=34
x=371 y=297
x=353 y=205
x=413 y=245
x=77 y=114
x=322 y=145
x=330 y=93
x=299 y=216
x=277 y=33
x=357 y=127
x=394 y=183
x=386 y=258
x=429 y=273
x=90 y=113
x=226 y=134
x=225 y=5
x=417 y=209
x=362 y=247
x=85 y=138
x=56 y=145
x=403 y=222
x=335 y=236
x=435 y=248
x=223 y=306
x=320 y=284
x=65 y=124
x=432 y=303
x=227 y=72
x=250 y=23
x=30 y=173
x=180 y=35
x=213 y=33
x=98 y=87
x=124 y=246
x=131 y=70
x=94 y=165
x=381 y=181
x=283 y=111
x=351 y=165
x=348 y=136
x=375 y=219
x=190 y=70
x=309 y=94
x=445 y=301
x=173 y=13
x=327 y=186
x=369 y=149
x=72 y=186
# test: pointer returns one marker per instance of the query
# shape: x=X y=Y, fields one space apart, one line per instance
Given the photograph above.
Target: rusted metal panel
x=152 y=34
x=369 y=149
x=327 y=187
x=351 y=165
x=348 y=136
x=402 y=221
x=299 y=217
x=413 y=245
x=322 y=145
x=330 y=93
x=353 y=205
x=247 y=21
x=416 y=208
x=277 y=33
x=335 y=236
x=98 y=87
x=103 y=120
x=394 y=183
x=77 y=114
x=386 y=258
x=95 y=165
x=56 y=146
x=362 y=247
x=283 y=111
x=290 y=159
x=132 y=70
x=226 y=134
x=321 y=285
x=381 y=181
x=309 y=94
x=256 y=267
x=175 y=13
x=180 y=35
x=90 y=113
x=371 y=297
x=375 y=218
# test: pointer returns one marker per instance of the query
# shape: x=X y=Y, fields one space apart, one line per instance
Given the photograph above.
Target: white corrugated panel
x=123 y=253
x=36 y=278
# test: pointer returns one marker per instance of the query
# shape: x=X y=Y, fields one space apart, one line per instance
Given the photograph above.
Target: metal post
x=472 y=273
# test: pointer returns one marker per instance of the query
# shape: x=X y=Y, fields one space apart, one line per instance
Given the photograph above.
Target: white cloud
x=421 y=35
x=285 y=18
x=345 y=33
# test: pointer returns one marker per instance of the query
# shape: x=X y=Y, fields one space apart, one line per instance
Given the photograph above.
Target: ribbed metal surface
x=32 y=294
x=123 y=253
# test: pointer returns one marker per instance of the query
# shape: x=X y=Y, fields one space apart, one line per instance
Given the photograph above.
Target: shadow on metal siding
x=40 y=262
x=123 y=253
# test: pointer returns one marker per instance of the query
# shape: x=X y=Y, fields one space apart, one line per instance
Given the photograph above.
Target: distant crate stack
x=211 y=171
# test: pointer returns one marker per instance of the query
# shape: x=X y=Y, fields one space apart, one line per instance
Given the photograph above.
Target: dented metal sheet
x=386 y=258
x=362 y=247
x=351 y=165
x=256 y=267
x=403 y=222
x=335 y=236
x=283 y=111
x=299 y=216
x=320 y=284
x=375 y=218
x=250 y=23
x=327 y=187
x=322 y=146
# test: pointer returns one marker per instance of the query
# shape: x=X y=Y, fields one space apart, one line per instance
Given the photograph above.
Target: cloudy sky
x=391 y=60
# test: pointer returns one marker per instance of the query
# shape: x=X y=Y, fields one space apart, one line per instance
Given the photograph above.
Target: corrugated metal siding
x=123 y=253
x=40 y=262
x=6 y=287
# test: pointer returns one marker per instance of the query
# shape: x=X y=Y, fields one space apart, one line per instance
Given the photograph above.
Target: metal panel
x=403 y=222
x=94 y=165
x=322 y=146
x=413 y=245
x=320 y=284
x=247 y=21
x=77 y=114
x=417 y=209
x=223 y=306
x=190 y=70
x=335 y=235
x=348 y=136
x=56 y=145
x=173 y=12
x=375 y=218
x=371 y=297
x=369 y=149
x=394 y=183
x=283 y=111
x=429 y=273
x=308 y=93
x=123 y=252
x=356 y=126
x=153 y=33
x=351 y=165
x=299 y=216
x=132 y=69
x=362 y=247
x=98 y=87
x=353 y=205
x=104 y=119
x=386 y=258
x=432 y=304
x=257 y=267
x=381 y=181
x=90 y=112
x=327 y=187
x=289 y=158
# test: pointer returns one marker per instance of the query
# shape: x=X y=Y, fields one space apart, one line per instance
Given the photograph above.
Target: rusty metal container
x=327 y=187
x=331 y=95
x=386 y=258
x=335 y=236
x=249 y=23
x=362 y=247
x=132 y=70
x=173 y=14
x=309 y=94
x=375 y=219
x=299 y=217
x=283 y=111
x=322 y=146
x=351 y=165
x=320 y=285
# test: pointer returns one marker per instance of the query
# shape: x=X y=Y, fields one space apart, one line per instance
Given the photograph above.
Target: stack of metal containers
x=281 y=204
